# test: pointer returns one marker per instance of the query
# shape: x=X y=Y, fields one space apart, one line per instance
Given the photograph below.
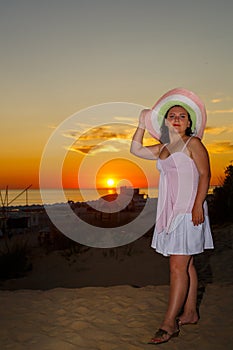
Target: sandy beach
x=114 y=299
x=107 y=318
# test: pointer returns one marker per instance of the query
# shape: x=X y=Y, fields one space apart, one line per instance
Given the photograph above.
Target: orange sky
x=123 y=172
x=104 y=155
x=58 y=59
x=105 y=162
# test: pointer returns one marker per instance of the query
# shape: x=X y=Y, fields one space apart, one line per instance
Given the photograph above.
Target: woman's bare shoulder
x=195 y=142
x=195 y=146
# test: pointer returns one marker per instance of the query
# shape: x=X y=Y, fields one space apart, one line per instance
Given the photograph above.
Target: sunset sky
x=59 y=57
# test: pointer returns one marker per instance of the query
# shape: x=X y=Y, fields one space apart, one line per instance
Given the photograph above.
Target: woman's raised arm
x=137 y=148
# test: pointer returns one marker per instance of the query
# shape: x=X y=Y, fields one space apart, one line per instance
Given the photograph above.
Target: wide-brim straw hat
x=180 y=97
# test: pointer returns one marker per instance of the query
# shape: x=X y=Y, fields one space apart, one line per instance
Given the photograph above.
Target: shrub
x=14 y=259
x=221 y=209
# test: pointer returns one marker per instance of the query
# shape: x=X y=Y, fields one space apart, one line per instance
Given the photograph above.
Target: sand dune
x=123 y=315
x=107 y=318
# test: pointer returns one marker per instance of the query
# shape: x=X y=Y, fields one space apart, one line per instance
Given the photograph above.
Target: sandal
x=159 y=336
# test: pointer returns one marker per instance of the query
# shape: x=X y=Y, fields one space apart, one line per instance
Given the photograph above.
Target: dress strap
x=186 y=144
x=163 y=146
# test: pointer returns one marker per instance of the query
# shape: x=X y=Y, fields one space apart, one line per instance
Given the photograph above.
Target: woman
x=182 y=226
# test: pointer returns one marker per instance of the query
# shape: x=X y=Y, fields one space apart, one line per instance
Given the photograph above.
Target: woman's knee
x=179 y=264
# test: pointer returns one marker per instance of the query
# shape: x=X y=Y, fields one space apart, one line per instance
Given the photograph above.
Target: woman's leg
x=179 y=285
x=179 y=292
x=190 y=314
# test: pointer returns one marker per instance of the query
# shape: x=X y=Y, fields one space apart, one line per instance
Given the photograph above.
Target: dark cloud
x=92 y=141
x=105 y=133
x=83 y=149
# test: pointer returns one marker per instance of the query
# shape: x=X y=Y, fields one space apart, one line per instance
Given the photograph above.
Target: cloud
x=94 y=140
x=128 y=119
x=216 y=100
x=105 y=132
x=221 y=98
x=221 y=111
x=106 y=138
x=221 y=147
x=82 y=149
x=52 y=126
x=216 y=130
x=106 y=148
x=110 y=146
x=71 y=134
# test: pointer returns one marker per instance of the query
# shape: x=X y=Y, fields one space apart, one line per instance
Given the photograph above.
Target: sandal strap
x=160 y=332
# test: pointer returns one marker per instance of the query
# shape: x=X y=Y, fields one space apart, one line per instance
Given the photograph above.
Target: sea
x=20 y=197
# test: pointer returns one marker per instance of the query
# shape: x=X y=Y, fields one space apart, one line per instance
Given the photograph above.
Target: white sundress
x=175 y=233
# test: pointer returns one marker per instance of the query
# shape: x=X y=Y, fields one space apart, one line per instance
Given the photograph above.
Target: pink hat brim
x=185 y=97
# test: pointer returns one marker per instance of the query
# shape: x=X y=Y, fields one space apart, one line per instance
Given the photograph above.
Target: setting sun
x=110 y=182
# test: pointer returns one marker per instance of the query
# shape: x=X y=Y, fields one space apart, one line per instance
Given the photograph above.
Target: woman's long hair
x=164 y=129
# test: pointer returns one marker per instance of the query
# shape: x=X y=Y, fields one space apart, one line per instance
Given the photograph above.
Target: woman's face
x=177 y=119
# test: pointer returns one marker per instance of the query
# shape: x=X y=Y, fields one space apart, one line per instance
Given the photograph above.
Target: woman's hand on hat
x=142 y=117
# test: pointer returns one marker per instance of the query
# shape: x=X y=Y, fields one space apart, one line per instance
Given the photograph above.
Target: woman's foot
x=188 y=318
x=163 y=336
